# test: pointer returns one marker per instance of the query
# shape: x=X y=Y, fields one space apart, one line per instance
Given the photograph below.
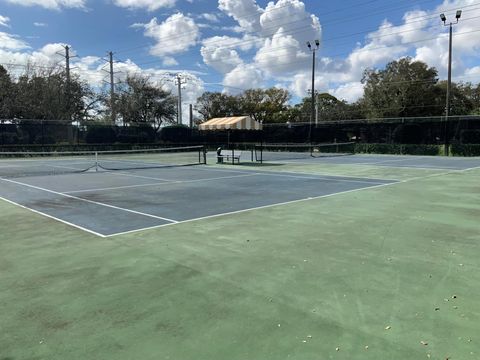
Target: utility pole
x=67 y=62
x=191 y=116
x=67 y=57
x=111 y=82
x=112 y=89
x=313 y=49
x=179 y=82
x=458 y=15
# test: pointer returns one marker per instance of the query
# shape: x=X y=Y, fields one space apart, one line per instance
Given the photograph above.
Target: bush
x=176 y=133
x=465 y=150
x=399 y=149
x=9 y=138
x=101 y=135
x=408 y=134
x=470 y=137
x=45 y=140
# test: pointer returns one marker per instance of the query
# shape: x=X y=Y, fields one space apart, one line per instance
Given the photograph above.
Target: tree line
x=52 y=94
x=404 y=88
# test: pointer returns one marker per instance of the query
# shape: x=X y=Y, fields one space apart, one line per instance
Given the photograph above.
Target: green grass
x=288 y=282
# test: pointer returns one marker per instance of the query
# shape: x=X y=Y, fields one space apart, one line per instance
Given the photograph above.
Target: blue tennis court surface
x=109 y=203
x=398 y=161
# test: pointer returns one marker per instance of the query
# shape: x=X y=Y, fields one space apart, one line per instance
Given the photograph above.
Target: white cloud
x=350 y=92
x=243 y=77
x=40 y=24
x=281 y=55
x=175 y=35
x=217 y=54
x=51 y=4
x=169 y=61
x=11 y=42
x=245 y=12
x=279 y=31
x=301 y=83
x=221 y=59
x=4 y=20
x=291 y=16
x=475 y=71
x=150 y=5
x=210 y=17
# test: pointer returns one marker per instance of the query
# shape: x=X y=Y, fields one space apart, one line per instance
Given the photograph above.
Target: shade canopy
x=234 y=123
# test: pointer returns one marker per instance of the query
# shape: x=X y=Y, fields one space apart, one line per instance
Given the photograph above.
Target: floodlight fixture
x=458 y=15
x=443 y=17
x=317 y=42
x=309 y=45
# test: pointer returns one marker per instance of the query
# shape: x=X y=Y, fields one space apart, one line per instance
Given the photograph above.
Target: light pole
x=313 y=49
x=458 y=15
x=317 y=106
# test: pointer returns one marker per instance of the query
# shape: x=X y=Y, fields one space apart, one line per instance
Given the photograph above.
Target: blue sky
x=229 y=45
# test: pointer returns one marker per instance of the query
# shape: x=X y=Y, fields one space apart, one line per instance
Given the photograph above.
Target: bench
x=229 y=156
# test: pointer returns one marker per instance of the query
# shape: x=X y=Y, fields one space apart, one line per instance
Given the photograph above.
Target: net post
x=96 y=161
x=233 y=155
x=203 y=154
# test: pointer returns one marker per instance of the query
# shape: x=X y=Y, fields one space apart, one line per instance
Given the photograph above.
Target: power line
x=338 y=20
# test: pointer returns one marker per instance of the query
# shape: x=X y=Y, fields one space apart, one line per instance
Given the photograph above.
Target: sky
x=233 y=45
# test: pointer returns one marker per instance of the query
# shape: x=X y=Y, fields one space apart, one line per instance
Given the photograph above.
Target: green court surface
x=390 y=272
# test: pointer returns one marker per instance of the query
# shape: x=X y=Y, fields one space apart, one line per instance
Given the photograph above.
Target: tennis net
x=19 y=164
x=278 y=152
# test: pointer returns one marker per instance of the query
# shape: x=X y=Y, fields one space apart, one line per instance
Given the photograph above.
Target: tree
x=461 y=101
x=141 y=102
x=215 y=104
x=265 y=106
x=329 y=108
x=404 y=88
x=7 y=95
x=46 y=94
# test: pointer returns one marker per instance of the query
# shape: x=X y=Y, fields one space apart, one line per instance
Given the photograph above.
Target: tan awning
x=237 y=122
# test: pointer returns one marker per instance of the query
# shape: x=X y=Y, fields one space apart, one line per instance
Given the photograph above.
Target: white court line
x=294 y=201
x=172 y=182
x=319 y=176
x=323 y=177
x=418 y=167
x=135 y=176
x=53 y=217
x=216 y=178
x=90 y=201
x=255 y=208
x=380 y=162
x=335 y=177
x=223 y=214
x=472 y=168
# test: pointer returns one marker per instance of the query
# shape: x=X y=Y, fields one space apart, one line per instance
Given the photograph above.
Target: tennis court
x=395 y=161
x=336 y=257
x=109 y=203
